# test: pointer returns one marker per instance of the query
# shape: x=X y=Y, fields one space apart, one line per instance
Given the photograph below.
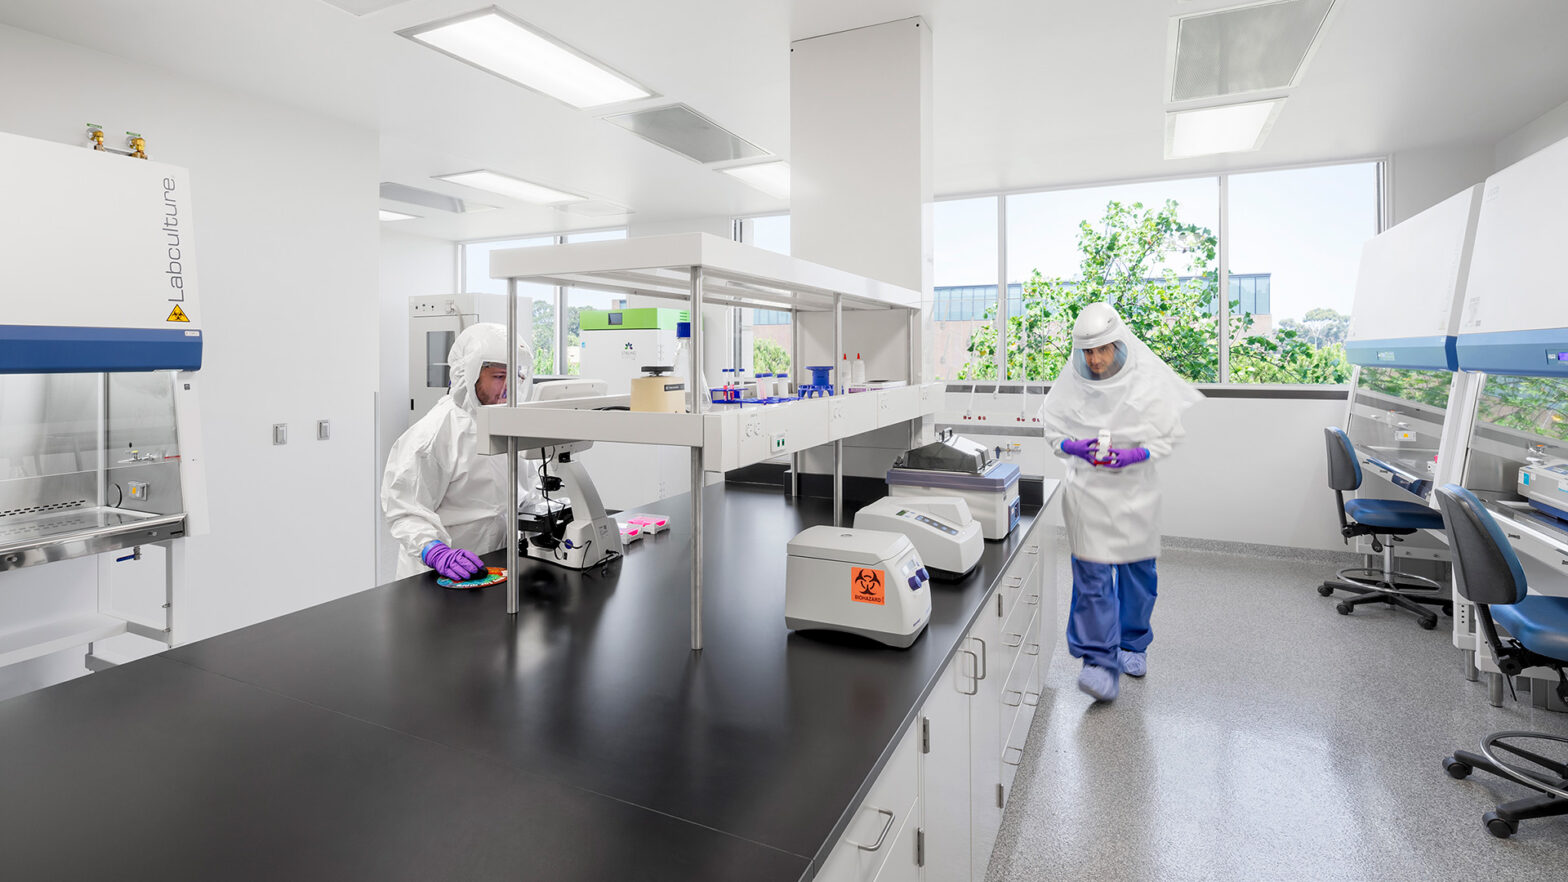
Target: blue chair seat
x=1394 y=514
x=1540 y=623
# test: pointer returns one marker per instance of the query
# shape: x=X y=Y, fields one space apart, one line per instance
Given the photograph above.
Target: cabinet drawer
x=1015 y=687
x=1018 y=589
x=869 y=839
x=903 y=862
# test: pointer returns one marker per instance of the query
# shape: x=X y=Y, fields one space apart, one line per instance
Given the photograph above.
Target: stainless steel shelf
x=28 y=540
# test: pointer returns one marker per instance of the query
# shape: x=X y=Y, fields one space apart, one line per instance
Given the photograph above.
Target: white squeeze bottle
x=858 y=371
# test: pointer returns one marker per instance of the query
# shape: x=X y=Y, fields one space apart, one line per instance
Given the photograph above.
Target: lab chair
x=1385 y=520
x=1487 y=573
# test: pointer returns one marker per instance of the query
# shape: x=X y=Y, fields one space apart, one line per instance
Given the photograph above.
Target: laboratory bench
x=411 y=731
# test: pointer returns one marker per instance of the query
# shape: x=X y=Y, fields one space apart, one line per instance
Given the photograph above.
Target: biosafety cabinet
x=100 y=350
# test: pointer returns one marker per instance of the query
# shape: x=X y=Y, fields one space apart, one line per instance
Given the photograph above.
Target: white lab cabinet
x=970 y=735
x=880 y=841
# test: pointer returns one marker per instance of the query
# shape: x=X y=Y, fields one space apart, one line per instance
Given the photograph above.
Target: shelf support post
x=843 y=388
x=514 y=393
x=697 y=478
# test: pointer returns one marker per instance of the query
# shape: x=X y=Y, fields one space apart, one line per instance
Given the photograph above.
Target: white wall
x=410 y=266
x=1419 y=179
x=285 y=205
x=1547 y=129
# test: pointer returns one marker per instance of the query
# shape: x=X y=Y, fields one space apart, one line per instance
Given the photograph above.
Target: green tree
x=1160 y=274
x=768 y=357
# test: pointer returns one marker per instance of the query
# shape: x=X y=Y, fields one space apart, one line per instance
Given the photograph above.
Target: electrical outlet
x=778 y=444
x=137 y=490
x=280 y=433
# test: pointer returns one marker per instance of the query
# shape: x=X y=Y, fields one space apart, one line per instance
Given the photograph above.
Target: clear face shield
x=1100 y=362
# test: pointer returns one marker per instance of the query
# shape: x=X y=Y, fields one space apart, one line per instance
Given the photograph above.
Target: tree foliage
x=768 y=357
x=1160 y=273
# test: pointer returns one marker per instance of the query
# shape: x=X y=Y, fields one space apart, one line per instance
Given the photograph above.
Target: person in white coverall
x=1113 y=385
x=444 y=502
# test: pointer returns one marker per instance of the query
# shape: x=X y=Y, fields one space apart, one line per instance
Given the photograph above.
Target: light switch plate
x=280 y=433
x=323 y=430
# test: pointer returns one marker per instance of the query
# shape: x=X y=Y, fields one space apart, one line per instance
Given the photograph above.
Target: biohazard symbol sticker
x=867 y=585
x=178 y=315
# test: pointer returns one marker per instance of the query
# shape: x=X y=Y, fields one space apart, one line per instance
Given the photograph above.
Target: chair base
x=1503 y=822
x=1378 y=594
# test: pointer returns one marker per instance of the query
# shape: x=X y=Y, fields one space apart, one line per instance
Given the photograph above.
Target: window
x=577 y=300
x=770 y=328
x=959 y=328
x=1301 y=232
x=1293 y=240
x=539 y=300
x=1150 y=249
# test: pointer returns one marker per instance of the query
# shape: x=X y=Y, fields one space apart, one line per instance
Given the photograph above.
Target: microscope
x=569 y=526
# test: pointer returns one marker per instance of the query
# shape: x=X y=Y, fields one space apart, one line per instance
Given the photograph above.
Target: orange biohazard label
x=867 y=585
x=178 y=315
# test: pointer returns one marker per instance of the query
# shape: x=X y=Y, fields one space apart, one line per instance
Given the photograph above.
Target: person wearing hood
x=1114 y=387
x=445 y=503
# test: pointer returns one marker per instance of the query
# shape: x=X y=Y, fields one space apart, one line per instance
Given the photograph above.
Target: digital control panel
x=928 y=521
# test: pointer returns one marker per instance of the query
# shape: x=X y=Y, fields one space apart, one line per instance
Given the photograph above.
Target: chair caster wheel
x=1498 y=826
x=1344 y=608
x=1325 y=590
x=1456 y=769
x=1448 y=609
x=1429 y=624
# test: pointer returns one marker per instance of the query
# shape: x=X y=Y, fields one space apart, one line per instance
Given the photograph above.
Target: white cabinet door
x=985 y=740
x=944 y=790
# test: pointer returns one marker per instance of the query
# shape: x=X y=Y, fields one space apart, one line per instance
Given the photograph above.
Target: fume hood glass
x=1396 y=420
x=1517 y=418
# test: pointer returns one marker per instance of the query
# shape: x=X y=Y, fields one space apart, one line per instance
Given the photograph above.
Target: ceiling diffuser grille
x=1246 y=49
x=689 y=133
x=429 y=199
x=363 y=7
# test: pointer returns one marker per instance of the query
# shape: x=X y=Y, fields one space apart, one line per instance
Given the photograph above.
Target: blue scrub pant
x=1111 y=608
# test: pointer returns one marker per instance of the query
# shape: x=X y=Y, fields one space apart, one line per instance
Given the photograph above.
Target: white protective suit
x=437 y=486
x=1112 y=514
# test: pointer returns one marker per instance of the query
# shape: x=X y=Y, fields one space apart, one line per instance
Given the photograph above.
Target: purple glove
x=454 y=563
x=1126 y=456
x=1083 y=448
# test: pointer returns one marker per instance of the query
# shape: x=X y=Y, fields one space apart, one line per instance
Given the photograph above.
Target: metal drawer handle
x=1032 y=599
x=1032 y=698
x=886 y=826
x=1034 y=649
x=1010 y=644
x=1016 y=582
x=1033 y=549
x=971 y=654
x=1012 y=692
x=1016 y=761
x=984 y=651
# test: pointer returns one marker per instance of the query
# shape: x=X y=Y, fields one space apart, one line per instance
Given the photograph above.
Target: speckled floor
x=1273 y=739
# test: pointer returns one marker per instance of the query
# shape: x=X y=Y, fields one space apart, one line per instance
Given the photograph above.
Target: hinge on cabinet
x=999 y=605
x=999 y=794
x=920 y=847
x=925 y=734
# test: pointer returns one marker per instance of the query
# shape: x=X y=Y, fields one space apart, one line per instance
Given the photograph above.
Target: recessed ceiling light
x=491 y=40
x=506 y=185
x=771 y=178
x=396 y=215
x=1231 y=128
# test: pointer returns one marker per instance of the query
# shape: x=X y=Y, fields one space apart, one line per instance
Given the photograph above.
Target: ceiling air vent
x=430 y=199
x=1246 y=49
x=363 y=7
x=689 y=133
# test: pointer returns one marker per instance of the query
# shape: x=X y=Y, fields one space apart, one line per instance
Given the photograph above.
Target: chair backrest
x=1486 y=570
x=1344 y=473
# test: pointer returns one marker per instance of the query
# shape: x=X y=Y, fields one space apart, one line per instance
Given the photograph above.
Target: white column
x=860 y=196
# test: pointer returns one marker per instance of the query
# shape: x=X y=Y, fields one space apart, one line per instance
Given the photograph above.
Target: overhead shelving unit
x=703 y=269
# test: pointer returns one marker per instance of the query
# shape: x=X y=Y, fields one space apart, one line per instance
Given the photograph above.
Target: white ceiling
x=1028 y=93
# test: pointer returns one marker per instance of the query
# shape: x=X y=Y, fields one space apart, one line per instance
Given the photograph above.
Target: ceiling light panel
x=1231 y=128
x=514 y=188
x=494 y=41
x=689 y=133
x=1246 y=49
x=771 y=178
x=429 y=199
